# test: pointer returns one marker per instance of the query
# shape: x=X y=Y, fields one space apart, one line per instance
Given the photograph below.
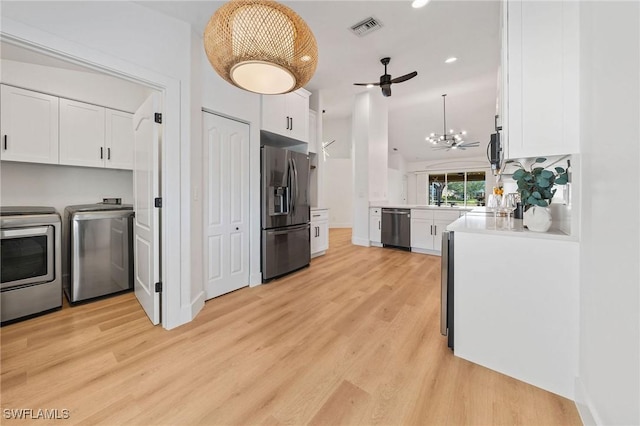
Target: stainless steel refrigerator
x=285 y=211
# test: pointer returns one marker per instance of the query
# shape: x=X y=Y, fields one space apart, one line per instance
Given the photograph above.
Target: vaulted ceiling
x=416 y=40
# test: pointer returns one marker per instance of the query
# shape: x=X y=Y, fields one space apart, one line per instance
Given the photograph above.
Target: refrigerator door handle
x=288 y=230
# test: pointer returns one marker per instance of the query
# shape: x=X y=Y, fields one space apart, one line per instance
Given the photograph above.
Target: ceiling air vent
x=366 y=26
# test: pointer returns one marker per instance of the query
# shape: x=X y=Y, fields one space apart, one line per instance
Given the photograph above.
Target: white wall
x=129 y=39
x=338 y=183
x=395 y=180
x=338 y=129
x=370 y=160
x=51 y=185
x=89 y=87
x=608 y=388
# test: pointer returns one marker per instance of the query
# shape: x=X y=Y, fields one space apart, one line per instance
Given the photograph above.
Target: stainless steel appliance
x=30 y=272
x=446 y=287
x=396 y=227
x=98 y=254
x=285 y=211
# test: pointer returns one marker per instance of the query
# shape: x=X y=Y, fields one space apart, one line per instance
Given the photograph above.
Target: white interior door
x=226 y=172
x=146 y=186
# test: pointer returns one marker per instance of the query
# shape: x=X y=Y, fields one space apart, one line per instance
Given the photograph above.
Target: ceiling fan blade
x=366 y=84
x=404 y=77
x=386 y=91
x=468 y=144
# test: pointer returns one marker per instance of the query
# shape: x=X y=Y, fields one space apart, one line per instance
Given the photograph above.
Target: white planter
x=537 y=219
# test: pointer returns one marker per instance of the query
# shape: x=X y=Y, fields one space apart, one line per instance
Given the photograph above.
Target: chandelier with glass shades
x=450 y=140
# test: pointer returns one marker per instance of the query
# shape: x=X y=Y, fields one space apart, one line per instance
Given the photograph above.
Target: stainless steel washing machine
x=98 y=251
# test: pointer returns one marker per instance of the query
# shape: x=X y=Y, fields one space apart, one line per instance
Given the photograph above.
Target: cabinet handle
x=378 y=225
x=317 y=231
x=435 y=229
x=101 y=153
x=431 y=230
x=108 y=153
x=287 y=123
x=291 y=123
x=5 y=142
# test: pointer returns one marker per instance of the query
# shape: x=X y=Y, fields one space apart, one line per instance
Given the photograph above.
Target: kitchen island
x=516 y=298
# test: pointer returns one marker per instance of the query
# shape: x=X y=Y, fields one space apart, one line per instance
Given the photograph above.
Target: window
x=457 y=188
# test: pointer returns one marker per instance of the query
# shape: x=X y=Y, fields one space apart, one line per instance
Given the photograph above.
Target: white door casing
x=226 y=173
x=146 y=186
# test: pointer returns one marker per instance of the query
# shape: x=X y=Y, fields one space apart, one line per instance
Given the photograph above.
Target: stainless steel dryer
x=31 y=278
x=98 y=251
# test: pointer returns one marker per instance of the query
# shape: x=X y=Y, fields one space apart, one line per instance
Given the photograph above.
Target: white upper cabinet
x=82 y=130
x=28 y=126
x=94 y=136
x=287 y=114
x=540 y=78
x=119 y=139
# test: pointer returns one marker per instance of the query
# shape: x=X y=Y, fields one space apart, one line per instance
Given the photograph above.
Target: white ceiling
x=416 y=40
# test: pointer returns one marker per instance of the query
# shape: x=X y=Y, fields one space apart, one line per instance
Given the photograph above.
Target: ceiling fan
x=386 y=81
x=457 y=145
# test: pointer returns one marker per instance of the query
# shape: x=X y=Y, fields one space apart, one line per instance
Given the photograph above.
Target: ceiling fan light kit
x=386 y=81
x=261 y=46
x=451 y=140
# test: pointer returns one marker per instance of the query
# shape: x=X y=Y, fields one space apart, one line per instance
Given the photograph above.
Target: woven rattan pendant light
x=261 y=46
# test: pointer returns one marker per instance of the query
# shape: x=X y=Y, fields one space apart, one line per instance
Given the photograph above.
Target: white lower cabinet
x=319 y=232
x=375 y=226
x=427 y=226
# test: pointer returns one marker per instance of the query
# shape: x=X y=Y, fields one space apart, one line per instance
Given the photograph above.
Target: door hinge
x=158 y=117
x=159 y=287
x=157 y=202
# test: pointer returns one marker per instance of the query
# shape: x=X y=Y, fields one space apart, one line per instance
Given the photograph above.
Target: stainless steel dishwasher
x=396 y=227
x=99 y=251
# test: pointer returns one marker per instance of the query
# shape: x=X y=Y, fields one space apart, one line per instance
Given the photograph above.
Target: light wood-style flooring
x=354 y=339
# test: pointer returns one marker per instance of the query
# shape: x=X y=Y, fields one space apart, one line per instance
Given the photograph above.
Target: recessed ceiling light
x=419 y=3
x=451 y=60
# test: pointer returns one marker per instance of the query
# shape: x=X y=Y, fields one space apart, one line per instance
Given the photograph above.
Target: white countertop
x=480 y=223
x=315 y=209
x=417 y=206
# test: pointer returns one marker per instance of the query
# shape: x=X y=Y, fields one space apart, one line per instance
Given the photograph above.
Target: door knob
x=237 y=229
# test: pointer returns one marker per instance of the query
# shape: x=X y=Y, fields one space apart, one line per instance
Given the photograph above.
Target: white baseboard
x=340 y=225
x=375 y=244
x=425 y=251
x=255 y=279
x=360 y=241
x=585 y=407
x=189 y=312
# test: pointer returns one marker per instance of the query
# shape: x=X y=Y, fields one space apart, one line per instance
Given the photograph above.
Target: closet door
x=226 y=215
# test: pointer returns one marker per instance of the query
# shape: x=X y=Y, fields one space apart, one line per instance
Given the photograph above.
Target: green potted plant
x=536 y=189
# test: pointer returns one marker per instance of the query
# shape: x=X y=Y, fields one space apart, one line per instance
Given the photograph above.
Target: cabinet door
x=438 y=227
x=542 y=75
x=315 y=238
x=298 y=111
x=375 y=227
x=323 y=236
x=422 y=234
x=119 y=140
x=82 y=134
x=29 y=126
x=274 y=114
